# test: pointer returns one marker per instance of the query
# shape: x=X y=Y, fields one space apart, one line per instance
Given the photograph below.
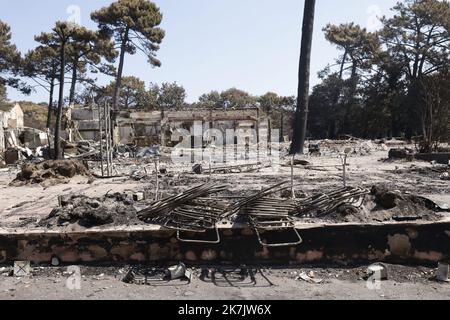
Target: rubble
x=201 y=208
x=11 y=156
x=377 y=271
x=155 y=276
x=440 y=158
x=435 y=171
x=383 y=205
x=404 y=153
x=249 y=200
x=151 y=151
x=314 y=150
x=197 y=169
x=411 y=205
x=264 y=211
x=297 y=162
x=50 y=172
x=443 y=272
x=309 y=278
x=117 y=209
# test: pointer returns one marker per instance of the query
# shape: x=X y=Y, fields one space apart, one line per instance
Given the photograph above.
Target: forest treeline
x=388 y=83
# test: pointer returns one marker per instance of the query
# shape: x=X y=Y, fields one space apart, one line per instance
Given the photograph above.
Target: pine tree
x=134 y=26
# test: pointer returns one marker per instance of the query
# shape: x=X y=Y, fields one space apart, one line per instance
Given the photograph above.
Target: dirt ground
x=22 y=207
x=412 y=283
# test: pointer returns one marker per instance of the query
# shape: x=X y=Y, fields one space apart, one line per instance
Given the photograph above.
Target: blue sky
x=211 y=44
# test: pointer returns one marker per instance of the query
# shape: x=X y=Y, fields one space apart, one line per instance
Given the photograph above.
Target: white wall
x=2 y=139
x=13 y=119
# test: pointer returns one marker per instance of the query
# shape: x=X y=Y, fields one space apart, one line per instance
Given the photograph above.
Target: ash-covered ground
x=108 y=202
x=264 y=283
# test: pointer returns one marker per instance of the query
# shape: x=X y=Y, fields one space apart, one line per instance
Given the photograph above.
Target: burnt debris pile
x=112 y=209
x=402 y=206
x=50 y=172
x=203 y=208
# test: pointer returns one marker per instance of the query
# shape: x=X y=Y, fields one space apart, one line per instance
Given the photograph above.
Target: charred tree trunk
x=58 y=149
x=50 y=103
x=354 y=79
x=341 y=70
x=120 y=71
x=301 y=114
x=74 y=81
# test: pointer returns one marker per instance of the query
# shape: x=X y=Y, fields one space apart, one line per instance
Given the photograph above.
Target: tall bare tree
x=301 y=114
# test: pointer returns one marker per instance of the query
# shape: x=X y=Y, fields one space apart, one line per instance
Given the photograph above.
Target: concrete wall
x=90 y=135
x=16 y=120
x=401 y=243
x=154 y=116
x=5 y=117
x=136 y=127
x=88 y=126
x=84 y=114
x=2 y=133
x=3 y=120
x=13 y=119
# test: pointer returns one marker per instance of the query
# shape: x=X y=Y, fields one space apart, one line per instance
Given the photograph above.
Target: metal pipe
x=292 y=176
x=107 y=139
x=157 y=179
x=110 y=140
x=101 y=139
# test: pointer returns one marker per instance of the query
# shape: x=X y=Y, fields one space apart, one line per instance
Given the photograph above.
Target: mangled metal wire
x=323 y=204
x=271 y=214
x=192 y=212
x=167 y=205
x=157 y=276
x=188 y=211
x=237 y=206
x=268 y=214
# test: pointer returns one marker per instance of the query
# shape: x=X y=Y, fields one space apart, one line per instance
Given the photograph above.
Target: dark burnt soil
x=50 y=172
x=386 y=205
x=112 y=209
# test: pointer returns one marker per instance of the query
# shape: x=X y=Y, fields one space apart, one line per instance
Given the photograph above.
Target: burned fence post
x=344 y=165
x=100 y=128
x=292 y=176
x=157 y=178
